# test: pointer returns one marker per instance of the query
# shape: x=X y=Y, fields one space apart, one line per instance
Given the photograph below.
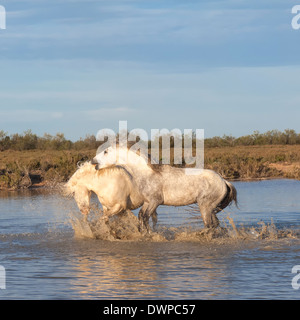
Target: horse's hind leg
x=209 y=217
x=215 y=220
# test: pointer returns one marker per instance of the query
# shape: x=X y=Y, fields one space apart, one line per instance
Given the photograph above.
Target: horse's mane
x=84 y=167
x=91 y=168
x=154 y=166
x=113 y=168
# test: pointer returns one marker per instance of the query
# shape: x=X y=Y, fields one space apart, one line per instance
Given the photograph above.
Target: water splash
x=126 y=227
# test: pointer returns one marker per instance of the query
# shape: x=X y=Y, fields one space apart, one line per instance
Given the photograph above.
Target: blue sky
x=229 y=67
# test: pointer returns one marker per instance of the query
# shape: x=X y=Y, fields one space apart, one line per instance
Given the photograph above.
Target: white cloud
x=57 y=115
x=20 y=14
x=28 y=116
x=131 y=24
x=95 y=114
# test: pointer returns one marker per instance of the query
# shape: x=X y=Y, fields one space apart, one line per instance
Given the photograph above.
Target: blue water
x=43 y=258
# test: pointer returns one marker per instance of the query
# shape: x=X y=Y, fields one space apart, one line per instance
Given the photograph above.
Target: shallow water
x=47 y=254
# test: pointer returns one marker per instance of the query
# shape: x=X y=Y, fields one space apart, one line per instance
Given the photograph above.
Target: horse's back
x=180 y=188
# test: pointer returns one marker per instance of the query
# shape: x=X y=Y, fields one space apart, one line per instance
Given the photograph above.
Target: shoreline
x=56 y=186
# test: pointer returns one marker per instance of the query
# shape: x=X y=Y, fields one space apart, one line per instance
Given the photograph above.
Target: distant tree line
x=31 y=141
x=272 y=137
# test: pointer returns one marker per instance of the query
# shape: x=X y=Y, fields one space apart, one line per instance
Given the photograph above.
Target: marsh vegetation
x=27 y=160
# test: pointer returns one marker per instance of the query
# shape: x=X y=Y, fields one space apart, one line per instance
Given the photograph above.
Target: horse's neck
x=88 y=176
x=137 y=166
x=138 y=169
x=131 y=157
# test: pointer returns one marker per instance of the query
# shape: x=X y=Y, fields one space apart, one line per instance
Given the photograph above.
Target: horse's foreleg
x=141 y=215
x=129 y=214
x=107 y=212
x=117 y=208
x=85 y=210
x=154 y=220
x=150 y=212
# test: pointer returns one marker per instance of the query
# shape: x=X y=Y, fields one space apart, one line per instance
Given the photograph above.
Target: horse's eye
x=105 y=152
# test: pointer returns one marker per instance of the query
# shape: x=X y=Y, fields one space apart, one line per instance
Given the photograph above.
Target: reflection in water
x=251 y=257
x=140 y=270
x=117 y=275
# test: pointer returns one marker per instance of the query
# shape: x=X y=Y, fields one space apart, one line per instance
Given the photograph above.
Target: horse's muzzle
x=94 y=161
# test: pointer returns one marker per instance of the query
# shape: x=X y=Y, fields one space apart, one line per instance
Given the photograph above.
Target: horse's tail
x=230 y=196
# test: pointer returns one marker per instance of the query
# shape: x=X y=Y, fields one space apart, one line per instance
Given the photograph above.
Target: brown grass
x=24 y=169
x=255 y=162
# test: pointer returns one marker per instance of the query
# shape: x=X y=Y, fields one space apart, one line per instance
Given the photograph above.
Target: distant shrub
x=273 y=137
x=30 y=141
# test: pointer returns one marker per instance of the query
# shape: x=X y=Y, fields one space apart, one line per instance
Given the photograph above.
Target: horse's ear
x=78 y=163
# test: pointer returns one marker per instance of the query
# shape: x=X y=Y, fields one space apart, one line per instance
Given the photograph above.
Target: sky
x=226 y=66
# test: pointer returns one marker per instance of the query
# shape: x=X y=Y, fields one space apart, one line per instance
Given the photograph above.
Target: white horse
x=114 y=187
x=171 y=186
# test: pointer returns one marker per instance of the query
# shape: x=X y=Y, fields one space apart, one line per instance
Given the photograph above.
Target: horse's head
x=120 y=156
x=105 y=158
x=76 y=186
